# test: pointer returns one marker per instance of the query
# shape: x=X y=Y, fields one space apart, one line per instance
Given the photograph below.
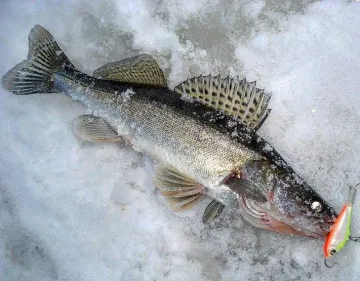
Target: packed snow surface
x=74 y=211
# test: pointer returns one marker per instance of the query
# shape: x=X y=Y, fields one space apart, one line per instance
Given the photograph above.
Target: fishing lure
x=340 y=232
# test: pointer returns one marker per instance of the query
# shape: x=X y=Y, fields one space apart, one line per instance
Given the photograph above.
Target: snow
x=73 y=211
x=126 y=96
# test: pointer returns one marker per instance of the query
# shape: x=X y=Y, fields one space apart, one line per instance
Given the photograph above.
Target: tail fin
x=34 y=75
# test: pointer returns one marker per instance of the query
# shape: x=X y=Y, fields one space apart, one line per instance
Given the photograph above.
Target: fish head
x=292 y=206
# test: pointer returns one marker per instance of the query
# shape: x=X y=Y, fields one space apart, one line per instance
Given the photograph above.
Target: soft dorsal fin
x=239 y=99
x=141 y=69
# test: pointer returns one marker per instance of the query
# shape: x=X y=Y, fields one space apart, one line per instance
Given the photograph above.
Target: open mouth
x=258 y=217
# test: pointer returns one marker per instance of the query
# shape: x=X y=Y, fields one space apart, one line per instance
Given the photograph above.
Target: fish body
x=157 y=122
x=341 y=230
x=202 y=134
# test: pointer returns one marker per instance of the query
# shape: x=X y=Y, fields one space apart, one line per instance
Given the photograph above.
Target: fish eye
x=316 y=206
x=333 y=252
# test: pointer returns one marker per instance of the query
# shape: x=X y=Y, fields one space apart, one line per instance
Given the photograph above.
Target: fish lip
x=257 y=216
x=315 y=235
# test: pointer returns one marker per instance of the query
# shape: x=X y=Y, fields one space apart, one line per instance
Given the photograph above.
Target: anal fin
x=181 y=191
x=91 y=128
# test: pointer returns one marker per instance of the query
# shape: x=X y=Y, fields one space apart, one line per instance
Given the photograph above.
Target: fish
x=202 y=135
x=341 y=230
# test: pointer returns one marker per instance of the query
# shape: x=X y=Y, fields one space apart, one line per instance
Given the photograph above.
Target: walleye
x=202 y=134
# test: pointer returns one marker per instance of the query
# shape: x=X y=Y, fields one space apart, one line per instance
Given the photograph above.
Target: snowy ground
x=70 y=211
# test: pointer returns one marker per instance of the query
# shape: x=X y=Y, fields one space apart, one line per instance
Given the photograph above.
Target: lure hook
x=328 y=265
x=355 y=239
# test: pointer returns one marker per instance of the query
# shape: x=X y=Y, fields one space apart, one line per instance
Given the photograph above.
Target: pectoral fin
x=181 y=191
x=141 y=69
x=91 y=128
x=212 y=211
x=246 y=188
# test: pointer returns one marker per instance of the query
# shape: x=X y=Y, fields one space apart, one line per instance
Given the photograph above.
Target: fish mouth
x=258 y=217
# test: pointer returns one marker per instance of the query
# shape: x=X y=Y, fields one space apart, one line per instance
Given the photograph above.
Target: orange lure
x=340 y=232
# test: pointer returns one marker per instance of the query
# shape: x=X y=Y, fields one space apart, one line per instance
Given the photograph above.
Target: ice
x=260 y=42
x=126 y=96
x=253 y=8
x=73 y=211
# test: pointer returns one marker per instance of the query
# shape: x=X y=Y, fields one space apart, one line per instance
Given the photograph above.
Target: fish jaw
x=259 y=217
x=298 y=215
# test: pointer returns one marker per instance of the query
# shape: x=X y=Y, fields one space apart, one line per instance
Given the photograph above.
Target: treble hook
x=327 y=265
x=355 y=239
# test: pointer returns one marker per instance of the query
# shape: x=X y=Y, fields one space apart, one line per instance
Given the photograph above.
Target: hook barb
x=355 y=239
x=326 y=263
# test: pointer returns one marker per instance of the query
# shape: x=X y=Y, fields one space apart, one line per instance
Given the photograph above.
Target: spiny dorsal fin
x=239 y=99
x=141 y=69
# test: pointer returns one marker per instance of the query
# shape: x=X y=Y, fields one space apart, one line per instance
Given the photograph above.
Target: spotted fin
x=91 y=128
x=239 y=99
x=181 y=191
x=141 y=69
x=212 y=211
